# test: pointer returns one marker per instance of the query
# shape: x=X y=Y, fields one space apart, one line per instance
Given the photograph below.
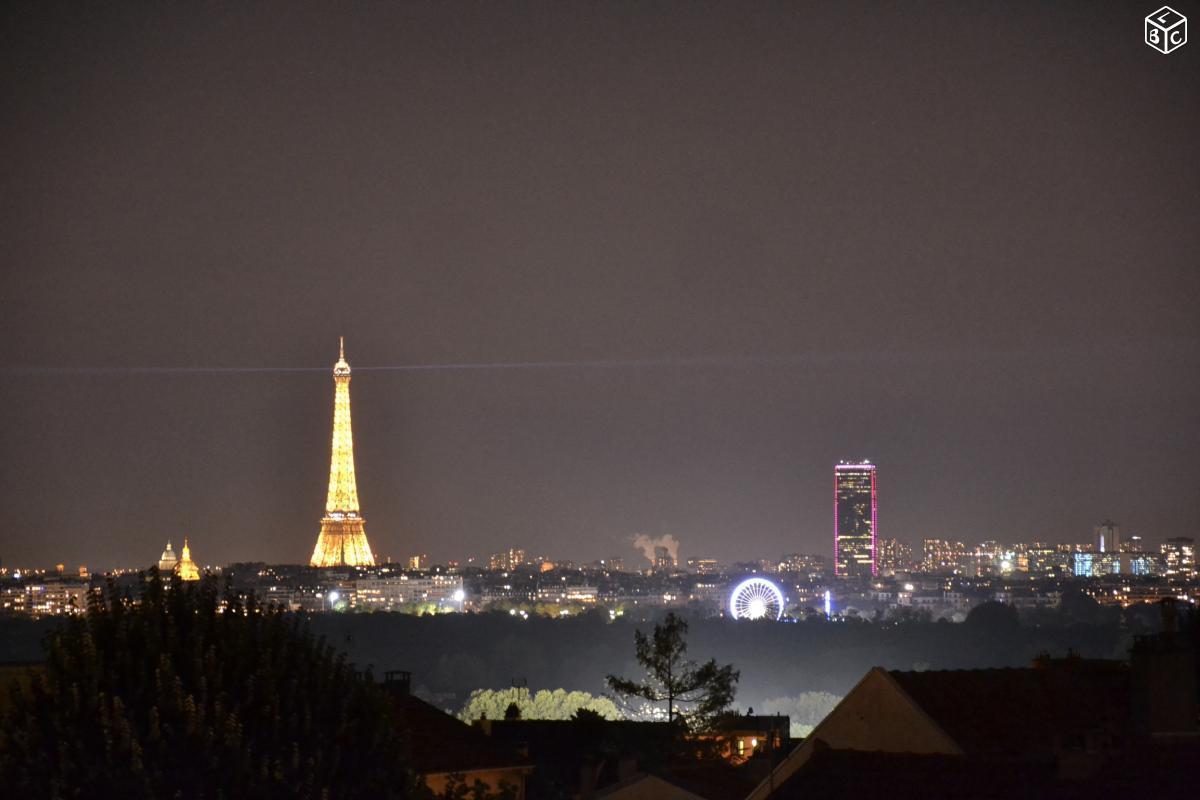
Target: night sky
x=752 y=239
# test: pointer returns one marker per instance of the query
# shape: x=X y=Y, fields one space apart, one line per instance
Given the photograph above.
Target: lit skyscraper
x=892 y=556
x=855 y=512
x=1179 y=556
x=1107 y=537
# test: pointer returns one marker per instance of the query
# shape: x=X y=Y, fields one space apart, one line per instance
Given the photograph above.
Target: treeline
x=452 y=655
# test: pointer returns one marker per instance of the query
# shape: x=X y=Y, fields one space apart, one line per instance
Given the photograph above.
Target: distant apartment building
x=1095 y=565
x=710 y=592
x=1141 y=563
x=943 y=555
x=1132 y=544
x=855 y=520
x=1179 y=557
x=506 y=561
x=1046 y=560
x=44 y=598
x=550 y=593
x=402 y=592
x=803 y=563
x=703 y=566
x=419 y=562
x=892 y=556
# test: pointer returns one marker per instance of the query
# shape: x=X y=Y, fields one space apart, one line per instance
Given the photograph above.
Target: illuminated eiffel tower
x=342 y=541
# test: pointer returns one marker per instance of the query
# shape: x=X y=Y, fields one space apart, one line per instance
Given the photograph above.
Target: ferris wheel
x=756 y=598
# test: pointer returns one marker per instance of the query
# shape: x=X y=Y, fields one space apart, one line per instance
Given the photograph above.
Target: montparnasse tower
x=343 y=540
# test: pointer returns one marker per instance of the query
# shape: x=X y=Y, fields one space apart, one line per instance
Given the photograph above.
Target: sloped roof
x=854 y=775
x=440 y=743
x=711 y=780
x=644 y=785
x=1024 y=712
x=1155 y=769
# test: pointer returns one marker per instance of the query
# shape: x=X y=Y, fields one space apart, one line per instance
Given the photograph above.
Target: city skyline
x=607 y=271
x=342 y=491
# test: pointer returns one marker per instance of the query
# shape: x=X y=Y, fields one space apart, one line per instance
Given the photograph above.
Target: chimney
x=398 y=682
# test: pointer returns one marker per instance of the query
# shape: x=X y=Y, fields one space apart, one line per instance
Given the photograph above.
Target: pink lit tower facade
x=855 y=517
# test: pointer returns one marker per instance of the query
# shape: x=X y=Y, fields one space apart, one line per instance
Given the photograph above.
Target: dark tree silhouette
x=181 y=695
x=1080 y=608
x=993 y=617
x=703 y=690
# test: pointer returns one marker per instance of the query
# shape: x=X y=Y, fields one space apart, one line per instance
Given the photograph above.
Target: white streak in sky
x=802 y=359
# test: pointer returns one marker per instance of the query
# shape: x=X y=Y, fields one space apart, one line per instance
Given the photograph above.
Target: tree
x=704 y=690
x=805 y=710
x=188 y=694
x=542 y=704
x=993 y=617
x=1075 y=606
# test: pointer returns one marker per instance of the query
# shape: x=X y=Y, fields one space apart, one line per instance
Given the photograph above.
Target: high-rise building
x=855 y=514
x=943 y=555
x=343 y=538
x=1179 y=556
x=1132 y=544
x=1106 y=537
x=893 y=556
x=508 y=560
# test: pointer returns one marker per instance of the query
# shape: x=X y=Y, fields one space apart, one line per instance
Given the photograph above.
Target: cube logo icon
x=1166 y=30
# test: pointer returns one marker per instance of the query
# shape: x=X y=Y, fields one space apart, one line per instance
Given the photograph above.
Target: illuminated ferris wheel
x=756 y=598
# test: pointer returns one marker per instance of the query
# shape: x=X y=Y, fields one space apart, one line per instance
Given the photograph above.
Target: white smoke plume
x=646 y=545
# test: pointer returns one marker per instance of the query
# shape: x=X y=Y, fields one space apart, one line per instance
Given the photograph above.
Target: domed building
x=188 y=570
x=168 y=561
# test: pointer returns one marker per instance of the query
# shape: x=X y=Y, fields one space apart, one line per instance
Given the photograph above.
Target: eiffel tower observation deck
x=343 y=539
